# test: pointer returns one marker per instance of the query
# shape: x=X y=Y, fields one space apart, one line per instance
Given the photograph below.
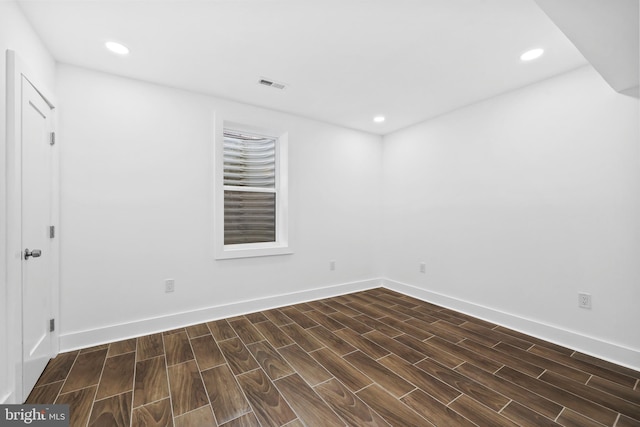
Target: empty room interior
x=319 y=213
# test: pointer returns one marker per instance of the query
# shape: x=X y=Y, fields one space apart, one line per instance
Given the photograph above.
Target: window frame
x=281 y=246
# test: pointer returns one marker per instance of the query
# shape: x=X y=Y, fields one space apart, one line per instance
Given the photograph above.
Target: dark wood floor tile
x=117 y=376
x=450 y=316
x=304 y=364
x=438 y=329
x=477 y=391
x=589 y=393
x=434 y=411
x=80 y=403
x=545 y=363
x=270 y=360
x=256 y=317
x=322 y=319
x=44 y=394
x=368 y=310
x=348 y=406
x=426 y=350
x=198 y=330
x=478 y=413
x=237 y=355
x=268 y=404
x=200 y=417
x=496 y=335
x=177 y=348
x=341 y=308
x=615 y=389
x=350 y=322
x=321 y=307
x=502 y=357
x=467 y=334
x=157 y=414
x=309 y=407
x=408 y=329
x=341 y=369
x=525 y=417
x=277 y=317
x=378 y=326
x=227 y=400
x=577 y=403
x=424 y=316
x=397 y=299
x=394 y=346
x=390 y=312
x=569 y=418
x=301 y=337
x=245 y=330
x=392 y=410
x=298 y=317
x=605 y=364
x=424 y=381
x=625 y=421
x=383 y=376
x=246 y=420
x=186 y=388
x=121 y=347
x=150 y=381
x=303 y=307
x=221 y=330
x=207 y=352
x=587 y=367
x=85 y=371
x=94 y=348
x=533 y=340
x=149 y=346
x=521 y=395
x=58 y=368
x=331 y=340
x=173 y=331
x=368 y=347
x=273 y=334
x=114 y=411
x=467 y=355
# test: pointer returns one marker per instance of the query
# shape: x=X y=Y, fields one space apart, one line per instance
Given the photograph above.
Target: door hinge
x=52 y=231
x=53 y=138
x=52 y=325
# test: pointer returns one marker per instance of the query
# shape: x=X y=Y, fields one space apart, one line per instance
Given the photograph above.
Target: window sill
x=252 y=250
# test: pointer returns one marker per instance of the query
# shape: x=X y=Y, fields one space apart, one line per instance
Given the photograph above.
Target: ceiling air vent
x=271 y=83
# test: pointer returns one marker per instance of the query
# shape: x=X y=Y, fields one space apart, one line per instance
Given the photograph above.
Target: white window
x=251 y=192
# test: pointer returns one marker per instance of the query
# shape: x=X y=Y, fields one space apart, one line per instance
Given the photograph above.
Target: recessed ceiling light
x=118 y=48
x=532 y=54
x=378 y=119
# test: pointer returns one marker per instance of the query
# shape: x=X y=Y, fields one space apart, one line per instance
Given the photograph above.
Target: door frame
x=16 y=70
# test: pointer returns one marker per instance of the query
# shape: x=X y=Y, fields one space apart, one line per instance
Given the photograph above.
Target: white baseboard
x=6 y=399
x=583 y=343
x=91 y=337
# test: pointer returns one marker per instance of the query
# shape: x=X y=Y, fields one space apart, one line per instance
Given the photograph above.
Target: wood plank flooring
x=371 y=358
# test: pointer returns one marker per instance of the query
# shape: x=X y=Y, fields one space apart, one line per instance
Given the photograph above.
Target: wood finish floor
x=372 y=358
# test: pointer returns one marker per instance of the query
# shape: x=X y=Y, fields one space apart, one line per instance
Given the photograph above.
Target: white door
x=37 y=266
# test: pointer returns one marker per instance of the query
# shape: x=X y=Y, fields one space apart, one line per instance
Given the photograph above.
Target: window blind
x=249 y=188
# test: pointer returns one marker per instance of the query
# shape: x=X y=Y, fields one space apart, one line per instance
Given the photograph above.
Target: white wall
x=15 y=34
x=518 y=203
x=136 y=186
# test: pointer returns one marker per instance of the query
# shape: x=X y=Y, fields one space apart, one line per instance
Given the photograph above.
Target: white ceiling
x=344 y=61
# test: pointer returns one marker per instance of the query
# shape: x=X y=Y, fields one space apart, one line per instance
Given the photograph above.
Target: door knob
x=34 y=253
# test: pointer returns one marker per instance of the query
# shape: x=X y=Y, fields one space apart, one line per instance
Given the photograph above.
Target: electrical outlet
x=332 y=265
x=584 y=300
x=423 y=267
x=169 y=285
